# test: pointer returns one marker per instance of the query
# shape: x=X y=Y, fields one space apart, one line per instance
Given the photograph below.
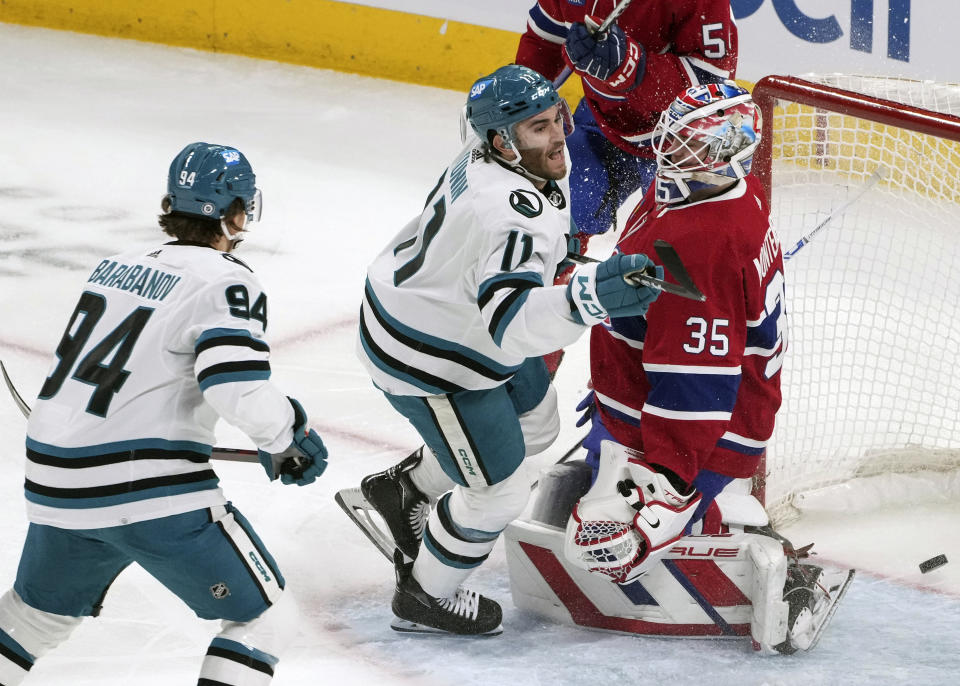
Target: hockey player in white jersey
x=457 y=310
x=162 y=341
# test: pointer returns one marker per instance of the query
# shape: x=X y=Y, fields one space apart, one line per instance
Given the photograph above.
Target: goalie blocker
x=728 y=582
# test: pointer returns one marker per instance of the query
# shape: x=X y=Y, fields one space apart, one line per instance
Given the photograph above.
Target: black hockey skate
x=400 y=505
x=466 y=613
x=812 y=595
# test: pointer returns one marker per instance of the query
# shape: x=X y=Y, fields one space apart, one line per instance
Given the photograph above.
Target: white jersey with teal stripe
x=161 y=343
x=464 y=293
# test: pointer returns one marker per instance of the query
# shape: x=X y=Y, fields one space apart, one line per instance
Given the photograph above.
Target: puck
x=933 y=563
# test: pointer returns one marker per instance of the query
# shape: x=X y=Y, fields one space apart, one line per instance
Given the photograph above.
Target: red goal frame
x=792 y=89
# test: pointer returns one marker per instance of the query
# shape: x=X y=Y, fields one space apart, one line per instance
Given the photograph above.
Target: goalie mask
x=706 y=138
x=508 y=96
x=204 y=180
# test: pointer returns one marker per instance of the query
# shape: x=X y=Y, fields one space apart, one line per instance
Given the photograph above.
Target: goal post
x=871 y=379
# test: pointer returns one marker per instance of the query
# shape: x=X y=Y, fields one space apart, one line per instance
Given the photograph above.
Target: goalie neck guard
x=706 y=138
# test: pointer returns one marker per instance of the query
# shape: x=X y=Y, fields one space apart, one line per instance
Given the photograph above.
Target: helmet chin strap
x=516 y=164
x=234 y=238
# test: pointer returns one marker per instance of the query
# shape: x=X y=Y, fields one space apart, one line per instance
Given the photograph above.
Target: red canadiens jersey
x=687 y=42
x=696 y=385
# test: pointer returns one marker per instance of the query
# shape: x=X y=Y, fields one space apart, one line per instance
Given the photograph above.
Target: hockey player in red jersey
x=695 y=385
x=630 y=73
x=667 y=540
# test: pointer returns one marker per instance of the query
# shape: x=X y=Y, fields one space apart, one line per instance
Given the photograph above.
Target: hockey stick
x=21 y=403
x=878 y=174
x=685 y=287
x=229 y=454
x=602 y=29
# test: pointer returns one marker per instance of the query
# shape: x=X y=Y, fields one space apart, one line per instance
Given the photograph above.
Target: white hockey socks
x=246 y=653
x=26 y=634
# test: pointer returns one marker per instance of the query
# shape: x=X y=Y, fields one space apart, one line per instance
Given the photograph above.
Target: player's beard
x=547 y=162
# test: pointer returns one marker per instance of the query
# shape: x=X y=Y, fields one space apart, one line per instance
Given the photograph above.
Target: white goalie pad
x=720 y=586
x=701 y=587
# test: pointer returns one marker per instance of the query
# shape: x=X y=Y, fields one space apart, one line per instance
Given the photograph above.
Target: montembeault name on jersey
x=146 y=282
x=768 y=251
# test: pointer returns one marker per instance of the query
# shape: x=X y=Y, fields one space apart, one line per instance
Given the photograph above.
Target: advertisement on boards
x=907 y=38
x=875 y=37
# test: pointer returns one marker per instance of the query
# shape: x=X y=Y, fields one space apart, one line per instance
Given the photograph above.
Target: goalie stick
x=685 y=287
x=229 y=454
x=360 y=511
x=602 y=29
x=878 y=174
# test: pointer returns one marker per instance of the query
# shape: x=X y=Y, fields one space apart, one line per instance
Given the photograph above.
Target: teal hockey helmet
x=507 y=96
x=205 y=179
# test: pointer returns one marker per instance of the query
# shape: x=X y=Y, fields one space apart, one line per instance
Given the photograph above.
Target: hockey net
x=870 y=381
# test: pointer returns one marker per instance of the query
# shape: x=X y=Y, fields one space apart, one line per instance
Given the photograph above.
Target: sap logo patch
x=479 y=87
x=231 y=157
x=526 y=203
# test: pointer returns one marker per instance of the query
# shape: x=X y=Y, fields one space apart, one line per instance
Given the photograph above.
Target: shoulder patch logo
x=526 y=203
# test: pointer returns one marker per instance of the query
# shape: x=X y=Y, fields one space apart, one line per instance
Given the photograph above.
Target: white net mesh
x=869 y=381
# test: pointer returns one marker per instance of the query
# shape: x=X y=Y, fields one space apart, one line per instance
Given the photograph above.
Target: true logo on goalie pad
x=692 y=551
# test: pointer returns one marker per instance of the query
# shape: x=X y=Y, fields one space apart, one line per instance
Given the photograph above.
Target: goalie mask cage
x=871 y=377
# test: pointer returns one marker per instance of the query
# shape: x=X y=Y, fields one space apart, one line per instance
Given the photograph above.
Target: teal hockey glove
x=600 y=290
x=304 y=460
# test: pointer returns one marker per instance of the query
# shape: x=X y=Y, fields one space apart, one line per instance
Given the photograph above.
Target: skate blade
x=837 y=585
x=405 y=626
x=360 y=510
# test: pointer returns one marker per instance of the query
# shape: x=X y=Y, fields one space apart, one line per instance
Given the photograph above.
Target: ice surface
x=87 y=128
